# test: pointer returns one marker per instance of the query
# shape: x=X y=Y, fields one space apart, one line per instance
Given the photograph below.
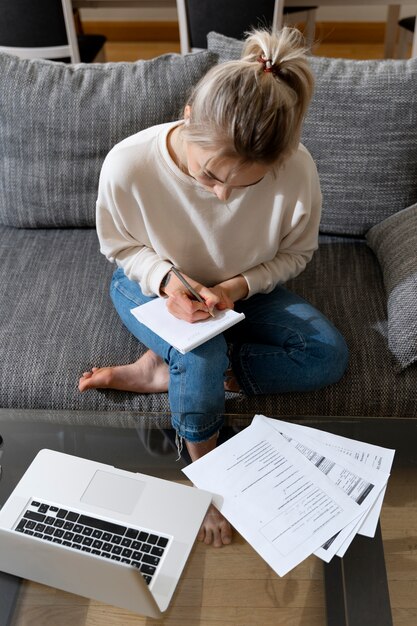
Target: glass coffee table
x=356 y=586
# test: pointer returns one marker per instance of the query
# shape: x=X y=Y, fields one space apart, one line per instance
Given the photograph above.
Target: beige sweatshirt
x=150 y=215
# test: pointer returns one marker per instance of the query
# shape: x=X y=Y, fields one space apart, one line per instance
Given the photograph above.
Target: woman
x=230 y=197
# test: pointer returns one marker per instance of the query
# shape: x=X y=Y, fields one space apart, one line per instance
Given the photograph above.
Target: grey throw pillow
x=394 y=242
x=58 y=122
x=361 y=129
x=226 y=48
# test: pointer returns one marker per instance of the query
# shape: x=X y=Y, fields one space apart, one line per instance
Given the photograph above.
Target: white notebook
x=180 y=334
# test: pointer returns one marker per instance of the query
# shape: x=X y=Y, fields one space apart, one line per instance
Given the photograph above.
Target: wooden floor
x=233 y=586
x=132 y=51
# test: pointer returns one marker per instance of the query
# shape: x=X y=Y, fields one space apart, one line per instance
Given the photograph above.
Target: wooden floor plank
x=404 y=617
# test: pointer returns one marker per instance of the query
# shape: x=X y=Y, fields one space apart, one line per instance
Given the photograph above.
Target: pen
x=190 y=289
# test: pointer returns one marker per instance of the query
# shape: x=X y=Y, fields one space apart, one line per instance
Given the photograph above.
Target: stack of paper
x=291 y=491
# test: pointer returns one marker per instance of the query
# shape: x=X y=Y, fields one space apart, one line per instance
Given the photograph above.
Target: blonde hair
x=253 y=109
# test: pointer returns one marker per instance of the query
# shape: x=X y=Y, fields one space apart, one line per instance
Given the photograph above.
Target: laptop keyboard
x=131 y=546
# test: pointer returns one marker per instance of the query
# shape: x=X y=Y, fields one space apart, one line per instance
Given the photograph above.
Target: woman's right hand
x=182 y=304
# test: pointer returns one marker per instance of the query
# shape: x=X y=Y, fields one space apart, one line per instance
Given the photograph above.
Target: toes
x=217 y=538
x=86 y=381
x=215 y=531
x=226 y=535
x=208 y=539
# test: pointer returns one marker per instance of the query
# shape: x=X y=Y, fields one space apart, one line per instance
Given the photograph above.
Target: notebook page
x=183 y=335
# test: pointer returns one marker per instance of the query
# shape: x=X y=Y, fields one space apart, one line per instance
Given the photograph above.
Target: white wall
x=324 y=14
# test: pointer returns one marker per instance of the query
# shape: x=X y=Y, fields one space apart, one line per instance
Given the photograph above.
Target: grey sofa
x=57 y=123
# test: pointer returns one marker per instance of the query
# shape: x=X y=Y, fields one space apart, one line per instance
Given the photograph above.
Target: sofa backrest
x=361 y=129
x=58 y=122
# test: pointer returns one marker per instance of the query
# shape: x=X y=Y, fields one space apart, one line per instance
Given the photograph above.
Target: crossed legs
x=284 y=345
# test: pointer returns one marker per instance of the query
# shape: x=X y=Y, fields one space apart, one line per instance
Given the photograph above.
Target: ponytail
x=253 y=109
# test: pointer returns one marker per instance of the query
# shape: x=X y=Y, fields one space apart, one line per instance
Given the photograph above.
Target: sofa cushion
x=59 y=121
x=361 y=129
x=394 y=242
x=226 y=48
x=58 y=321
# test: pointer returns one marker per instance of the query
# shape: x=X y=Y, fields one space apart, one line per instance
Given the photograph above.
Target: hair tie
x=268 y=66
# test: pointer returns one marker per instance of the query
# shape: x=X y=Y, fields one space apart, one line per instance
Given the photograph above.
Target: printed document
x=361 y=483
x=370 y=455
x=283 y=505
x=183 y=335
x=292 y=491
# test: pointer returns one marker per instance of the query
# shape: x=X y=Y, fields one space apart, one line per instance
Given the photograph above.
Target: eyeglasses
x=206 y=178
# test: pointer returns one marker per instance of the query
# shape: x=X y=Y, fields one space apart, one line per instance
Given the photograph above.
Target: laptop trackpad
x=113 y=492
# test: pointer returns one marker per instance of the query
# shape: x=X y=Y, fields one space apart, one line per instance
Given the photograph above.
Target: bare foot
x=215 y=529
x=149 y=374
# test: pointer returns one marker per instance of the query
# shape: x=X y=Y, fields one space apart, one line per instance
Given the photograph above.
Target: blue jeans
x=283 y=345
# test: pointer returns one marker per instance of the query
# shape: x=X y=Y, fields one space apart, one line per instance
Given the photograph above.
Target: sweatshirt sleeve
x=299 y=238
x=121 y=227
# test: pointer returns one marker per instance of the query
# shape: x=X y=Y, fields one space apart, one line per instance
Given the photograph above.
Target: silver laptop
x=100 y=532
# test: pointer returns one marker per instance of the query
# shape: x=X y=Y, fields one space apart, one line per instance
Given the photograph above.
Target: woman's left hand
x=232 y=290
x=224 y=300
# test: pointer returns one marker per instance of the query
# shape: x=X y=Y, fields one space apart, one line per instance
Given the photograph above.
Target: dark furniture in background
x=46 y=29
x=233 y=18
x=406 y=33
